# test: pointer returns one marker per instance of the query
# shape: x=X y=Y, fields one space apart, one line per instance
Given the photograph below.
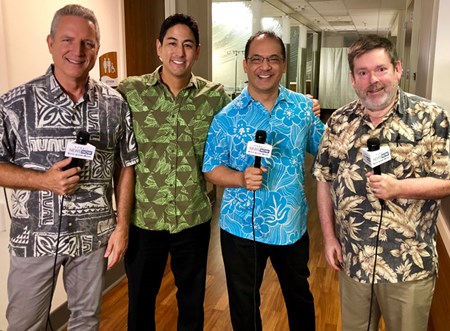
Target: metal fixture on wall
x=235 y=53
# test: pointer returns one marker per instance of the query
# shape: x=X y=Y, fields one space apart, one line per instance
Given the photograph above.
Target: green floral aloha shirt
x=171 y=134
x=416 y=132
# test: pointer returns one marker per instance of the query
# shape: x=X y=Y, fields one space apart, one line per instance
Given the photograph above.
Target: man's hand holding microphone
x=253 y=176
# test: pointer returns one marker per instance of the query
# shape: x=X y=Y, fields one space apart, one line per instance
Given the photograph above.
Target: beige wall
x=24 y=26
x=201 y=11
x=426 y=50
x=3 y=66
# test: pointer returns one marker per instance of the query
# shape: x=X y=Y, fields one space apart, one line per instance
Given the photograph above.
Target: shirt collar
x=156 y=79
x=245 y=98
x=283 y=95
x=403 y=102
x=56 y=92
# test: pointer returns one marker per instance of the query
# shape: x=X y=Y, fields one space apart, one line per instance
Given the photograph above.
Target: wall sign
x=108 y=69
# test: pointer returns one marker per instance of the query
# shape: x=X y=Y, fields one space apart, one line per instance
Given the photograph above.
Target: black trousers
x=145 y=262
x=290 y=262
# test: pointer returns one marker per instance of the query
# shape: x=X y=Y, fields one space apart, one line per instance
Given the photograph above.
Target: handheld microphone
x=373 y=144
x=260 y=138
x=259 y=148
x=79 y=150
x=373 y=155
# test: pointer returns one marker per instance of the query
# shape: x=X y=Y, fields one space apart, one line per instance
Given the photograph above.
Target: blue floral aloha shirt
x=280 y=205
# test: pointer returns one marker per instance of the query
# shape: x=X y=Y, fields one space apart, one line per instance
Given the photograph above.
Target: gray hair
x=75 y=10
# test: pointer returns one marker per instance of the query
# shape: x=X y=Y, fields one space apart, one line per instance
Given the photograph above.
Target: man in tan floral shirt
x=386 y=251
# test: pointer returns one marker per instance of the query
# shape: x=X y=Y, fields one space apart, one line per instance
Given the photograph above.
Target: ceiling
x=354 y=16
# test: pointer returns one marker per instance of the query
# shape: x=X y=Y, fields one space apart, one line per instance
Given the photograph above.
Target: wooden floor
x=323 y=282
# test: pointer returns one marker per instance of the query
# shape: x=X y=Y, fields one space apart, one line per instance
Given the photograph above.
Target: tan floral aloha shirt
x=417 y=133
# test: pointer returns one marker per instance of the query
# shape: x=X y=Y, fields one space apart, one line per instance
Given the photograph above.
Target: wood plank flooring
x=323 y=282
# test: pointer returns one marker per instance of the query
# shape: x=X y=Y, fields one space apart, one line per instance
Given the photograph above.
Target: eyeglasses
x=274 y=60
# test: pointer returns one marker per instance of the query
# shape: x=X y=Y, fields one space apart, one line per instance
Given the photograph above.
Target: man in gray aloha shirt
x=65 y=217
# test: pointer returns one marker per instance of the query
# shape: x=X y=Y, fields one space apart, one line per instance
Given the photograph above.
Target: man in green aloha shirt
x=172 y=110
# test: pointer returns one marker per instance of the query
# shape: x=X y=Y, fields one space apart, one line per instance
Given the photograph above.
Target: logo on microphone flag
x=256 y=149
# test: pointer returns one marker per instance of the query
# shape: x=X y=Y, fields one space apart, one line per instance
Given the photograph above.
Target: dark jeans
x=290 y=262
x=145 y=262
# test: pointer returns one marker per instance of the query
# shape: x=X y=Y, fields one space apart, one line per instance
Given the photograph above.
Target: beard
x=385 y=95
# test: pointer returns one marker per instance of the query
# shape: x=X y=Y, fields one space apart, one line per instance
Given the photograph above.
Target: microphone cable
x=260 y=138
x=49 y=323
x=7 y=204
x=255 y=263
x=377 y=239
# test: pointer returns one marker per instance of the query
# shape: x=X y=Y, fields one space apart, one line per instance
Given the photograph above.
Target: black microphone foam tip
x=261 y=136
x=82 y=137
x=373 y=144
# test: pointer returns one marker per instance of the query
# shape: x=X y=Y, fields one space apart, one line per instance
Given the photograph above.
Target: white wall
x=24 y=26
x=440 y=94
x=441 y=72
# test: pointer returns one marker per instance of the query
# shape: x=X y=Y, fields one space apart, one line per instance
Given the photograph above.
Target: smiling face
x=264 y=78
x=178 y=53
x=74 y=49
x=375 y=80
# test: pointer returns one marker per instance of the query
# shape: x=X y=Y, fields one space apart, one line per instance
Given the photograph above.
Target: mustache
x=375 y=87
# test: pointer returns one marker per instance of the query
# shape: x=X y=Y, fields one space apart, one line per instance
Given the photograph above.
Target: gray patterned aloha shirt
x=416 y=132
x=37 y=120
x=171 y=133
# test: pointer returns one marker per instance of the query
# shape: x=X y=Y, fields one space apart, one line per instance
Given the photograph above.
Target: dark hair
x=368 y=43
x=175 y=19
x=269 y=34
x=74 y=10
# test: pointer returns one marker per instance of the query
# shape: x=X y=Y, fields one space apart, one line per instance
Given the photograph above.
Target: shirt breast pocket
x=410 y=158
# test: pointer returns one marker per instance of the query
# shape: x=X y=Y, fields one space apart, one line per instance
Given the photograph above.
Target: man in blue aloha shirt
x=264 y=210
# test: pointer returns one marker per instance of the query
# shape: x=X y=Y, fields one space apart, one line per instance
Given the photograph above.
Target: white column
x=301 y=70
x=286 y=30
x=169 y=7
x=315 y=43
x=257 y=15
x=302 y=36
x=286 y=37
x=200 y=10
